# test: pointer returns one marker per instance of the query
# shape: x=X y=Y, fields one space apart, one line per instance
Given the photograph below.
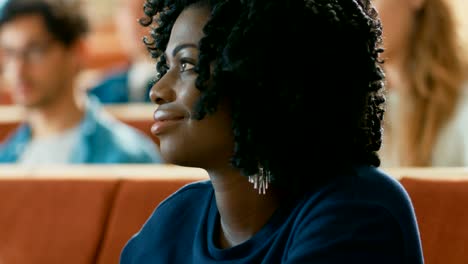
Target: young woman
x=427 y=118
x=245 y=88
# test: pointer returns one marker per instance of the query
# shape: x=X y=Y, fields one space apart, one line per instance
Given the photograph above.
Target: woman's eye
x=186 y=66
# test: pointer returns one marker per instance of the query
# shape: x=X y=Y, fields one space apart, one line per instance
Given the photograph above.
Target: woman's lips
x=165 y=120
x=161 y=126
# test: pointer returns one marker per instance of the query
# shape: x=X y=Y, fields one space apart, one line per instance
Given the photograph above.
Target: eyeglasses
x=33 y=54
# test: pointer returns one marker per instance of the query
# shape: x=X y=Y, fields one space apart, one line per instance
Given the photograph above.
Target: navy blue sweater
x=364 y=218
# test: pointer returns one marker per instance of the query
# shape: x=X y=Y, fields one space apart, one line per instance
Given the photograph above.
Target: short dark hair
x=301 y=75
x=62 y=18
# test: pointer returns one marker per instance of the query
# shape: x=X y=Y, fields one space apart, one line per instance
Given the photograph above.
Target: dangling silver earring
x=261 y=180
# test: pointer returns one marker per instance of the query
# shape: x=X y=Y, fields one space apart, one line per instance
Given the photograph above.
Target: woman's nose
x=162 y=91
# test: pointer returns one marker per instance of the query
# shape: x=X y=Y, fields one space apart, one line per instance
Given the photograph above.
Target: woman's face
x=397 y=20
x=207 y=143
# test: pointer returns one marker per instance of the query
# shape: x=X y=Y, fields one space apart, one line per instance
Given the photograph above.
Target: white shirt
x=56 y=149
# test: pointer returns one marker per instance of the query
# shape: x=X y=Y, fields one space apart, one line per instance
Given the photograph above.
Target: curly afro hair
x=302 y=76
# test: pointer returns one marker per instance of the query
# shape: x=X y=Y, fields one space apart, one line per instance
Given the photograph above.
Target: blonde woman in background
x=427 y=111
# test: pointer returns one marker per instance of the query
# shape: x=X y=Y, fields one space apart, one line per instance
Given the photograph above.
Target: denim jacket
x=102 y=140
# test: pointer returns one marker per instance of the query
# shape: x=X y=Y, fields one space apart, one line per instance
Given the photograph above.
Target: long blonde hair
x=435 y=74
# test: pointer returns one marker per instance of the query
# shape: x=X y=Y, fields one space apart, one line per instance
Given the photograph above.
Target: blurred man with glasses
x=43 y=50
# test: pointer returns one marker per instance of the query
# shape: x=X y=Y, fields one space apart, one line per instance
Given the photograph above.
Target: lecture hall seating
x=440 y=199
x=79 y=214
x=85 y=214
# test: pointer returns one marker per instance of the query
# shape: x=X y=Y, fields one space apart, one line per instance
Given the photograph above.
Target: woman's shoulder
x=364 y=182
x=176 y=217
x=369 y=187
x=375 y=185
x=190 y=196
x=189 y=193
x=188 y=199
x=366 y=207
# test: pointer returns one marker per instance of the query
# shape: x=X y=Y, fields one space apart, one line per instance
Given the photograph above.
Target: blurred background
x=115 y=54
x=117 y=69
x=106 y=52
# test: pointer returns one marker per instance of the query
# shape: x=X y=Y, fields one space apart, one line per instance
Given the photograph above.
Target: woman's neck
x=243 y=211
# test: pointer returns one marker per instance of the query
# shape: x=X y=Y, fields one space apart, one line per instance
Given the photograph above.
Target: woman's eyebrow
x=181 y=47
